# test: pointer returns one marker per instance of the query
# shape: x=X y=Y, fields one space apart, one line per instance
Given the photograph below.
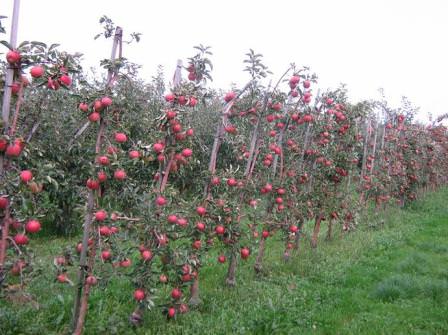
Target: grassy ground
x=381 y=279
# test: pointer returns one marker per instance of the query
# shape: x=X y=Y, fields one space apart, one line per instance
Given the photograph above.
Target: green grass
x=380 y=279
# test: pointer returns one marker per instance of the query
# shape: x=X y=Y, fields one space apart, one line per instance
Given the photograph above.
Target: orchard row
x=164 y=181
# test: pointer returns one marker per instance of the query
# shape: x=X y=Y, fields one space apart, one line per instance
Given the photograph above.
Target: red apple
x=13 y=57
x=176 y=293
x=101 y=215
x=32 y=226
x=26 y=176
x=245 y=253
x=37 y=71
x=106 y=101
x=66 y=80
x=139 y=294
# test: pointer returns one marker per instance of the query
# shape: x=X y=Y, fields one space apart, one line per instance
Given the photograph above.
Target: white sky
x=401 y=46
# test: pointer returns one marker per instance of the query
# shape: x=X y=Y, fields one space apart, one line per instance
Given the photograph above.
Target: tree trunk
x=299 y=234
x=194 y=292
x=330 y=230
x=316 y=231
x=4 y=244
x=231 y=272
x=259 y=261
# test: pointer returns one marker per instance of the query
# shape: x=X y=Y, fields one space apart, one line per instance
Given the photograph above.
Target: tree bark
x=231 y=272
x=316 y=231
x=194 y=292
x=259 y=261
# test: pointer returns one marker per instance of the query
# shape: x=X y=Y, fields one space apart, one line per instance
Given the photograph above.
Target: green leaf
x=39 y=44
x=24 y=43
x=6 y=44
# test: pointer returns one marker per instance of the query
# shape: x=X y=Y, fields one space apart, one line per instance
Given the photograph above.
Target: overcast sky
x=401 y=46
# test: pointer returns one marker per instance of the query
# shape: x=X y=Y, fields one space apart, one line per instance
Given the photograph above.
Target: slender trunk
x=82 y=272
x=231 y=272
x=4 y=244
x=194 y=292
x=330 y=230
x=298 y=235
x=166 y=172
x=316 y=231
x=82 y=311
x=83 y=290
x=259 y=261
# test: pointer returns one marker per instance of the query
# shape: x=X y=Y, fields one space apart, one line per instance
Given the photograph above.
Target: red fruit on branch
x=222 y=259
x=125 y=263
x=197 y=244
x=98 y=106
x=146 y=255
x=183 y=308
x=192 y=102
x=171 y=312
x=32 y=226
x=94 y=117
x=172 y=218
x=26 y=176
x=245 y=253
x=134 y=154
x=232 y=182
x=265 y=234
x=192 y=76
x=200 y=226
x=102 y=176
x=120 y=174
x=158 y=147
x=182 y=222
x=201 y=210
x=176 y=293
x=21 y=239
x=65 y=80
x=83 y=107
x=13 y=57
x=169 y=97
x=101 y=215
x=216 y=181
x=187 y=152
x=62 y=278
x=3 y=144
x=120 y=137
x=37 y=71
x=104 y=231
x=277 y=106
x=4 y=202
x=106 y=101
x=103 y=160
x=160 y=201
x=170 y=114
x=229 y=96
x=106 y=255
x=220 y=230
x=92 y=184
x=91 y=280
x=139 y=294
x=53 y=84
x=293 y=228
x=13 y=150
